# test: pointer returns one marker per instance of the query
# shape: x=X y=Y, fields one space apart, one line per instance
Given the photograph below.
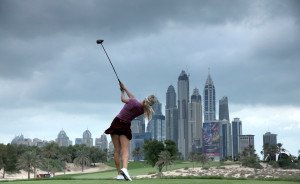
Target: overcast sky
x=54 y=76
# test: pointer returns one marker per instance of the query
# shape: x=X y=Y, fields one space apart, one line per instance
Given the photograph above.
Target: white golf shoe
x=120 y=177
x=125 y=173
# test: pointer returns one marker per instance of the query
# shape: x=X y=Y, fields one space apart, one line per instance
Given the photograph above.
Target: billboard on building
x=211 y=139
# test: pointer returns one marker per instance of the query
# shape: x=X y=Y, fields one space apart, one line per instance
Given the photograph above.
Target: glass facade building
x=183 y=101
x=236 y=132
x=209 y=100
x=171 y=115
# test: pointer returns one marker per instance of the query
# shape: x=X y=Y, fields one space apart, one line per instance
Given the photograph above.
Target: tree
x=26 y=161
x=97 y=155
x=105 y=155
x=82 y=159
x=203 y=159
x=137 y=153
x=251 y=150
x=65 y=157
x=171 y=148
x=237 y=157
x=164 y=160
x=3 y=158
x=49 y=152
x=8 y=158
x=152 y=149
x=36 y=162
x=193 y=157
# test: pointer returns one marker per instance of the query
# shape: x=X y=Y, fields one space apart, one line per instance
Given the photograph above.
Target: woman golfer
x=120 y=127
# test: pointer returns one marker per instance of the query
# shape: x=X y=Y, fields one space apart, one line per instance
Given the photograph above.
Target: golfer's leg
x=124 y=146
x=116 y=141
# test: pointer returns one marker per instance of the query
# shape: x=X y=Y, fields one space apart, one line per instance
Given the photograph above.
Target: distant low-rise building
x=245 y=141
x=20 y=140
x=101 y=142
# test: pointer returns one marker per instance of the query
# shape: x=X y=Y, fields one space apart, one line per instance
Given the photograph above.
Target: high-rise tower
x=223 y=109
x=171 y=115
x=195 y=122
x=183 y=100
x=226 y=143
x=269 y=138
x=87 y=138
x=63 y=139
x=209 y=100
x=236 y=132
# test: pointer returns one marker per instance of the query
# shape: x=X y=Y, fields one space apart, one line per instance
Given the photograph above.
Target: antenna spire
x=187 y=71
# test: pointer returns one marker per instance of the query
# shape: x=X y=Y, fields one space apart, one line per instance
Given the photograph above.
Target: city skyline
x=54 y=76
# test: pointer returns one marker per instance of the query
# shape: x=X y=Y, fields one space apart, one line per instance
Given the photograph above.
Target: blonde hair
x=148 y=102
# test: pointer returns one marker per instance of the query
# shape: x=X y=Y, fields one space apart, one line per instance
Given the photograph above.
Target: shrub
x=205 y=168
x=274 y=164
x=286 y=163
x=251 y=162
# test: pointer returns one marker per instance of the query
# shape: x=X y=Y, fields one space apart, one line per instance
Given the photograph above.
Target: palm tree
x=82 y=158
x=251 y=150
x=26 y=161
x=164 y=160
x=245 y=153
x=65 y=157
x=193 y=157
x=49 y=152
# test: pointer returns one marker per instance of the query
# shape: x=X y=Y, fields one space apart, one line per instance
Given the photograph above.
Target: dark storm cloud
x=48 y=51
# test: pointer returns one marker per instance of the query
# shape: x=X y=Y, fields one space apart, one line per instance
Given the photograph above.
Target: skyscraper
x=195 y=122
x=270 y=138
x=236 y=132
x=87 y=138
x=171 y=115
x=63 y=139
x=209 y=100
x=223 y=109
x=183 y=100
x=226 y=148
x=157 y=125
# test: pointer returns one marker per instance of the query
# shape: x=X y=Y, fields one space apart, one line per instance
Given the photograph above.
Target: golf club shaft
x=110 y=62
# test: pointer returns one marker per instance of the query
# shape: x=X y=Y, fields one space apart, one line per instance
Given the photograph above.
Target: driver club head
x=99 y=41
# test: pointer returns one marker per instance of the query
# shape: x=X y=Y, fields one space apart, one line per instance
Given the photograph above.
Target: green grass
x=156 y=181
x=135 y=168
x=142 y=168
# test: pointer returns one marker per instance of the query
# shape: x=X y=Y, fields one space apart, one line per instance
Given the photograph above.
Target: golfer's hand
x=122 y=87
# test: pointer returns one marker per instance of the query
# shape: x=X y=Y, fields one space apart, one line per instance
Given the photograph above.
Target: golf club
x=100 y=42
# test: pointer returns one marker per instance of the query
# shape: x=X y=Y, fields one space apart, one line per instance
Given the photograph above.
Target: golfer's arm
x=123 y=99
x=130 y=95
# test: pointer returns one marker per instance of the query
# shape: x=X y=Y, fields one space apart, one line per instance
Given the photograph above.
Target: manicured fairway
x=155 y=181
x=135 y=168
